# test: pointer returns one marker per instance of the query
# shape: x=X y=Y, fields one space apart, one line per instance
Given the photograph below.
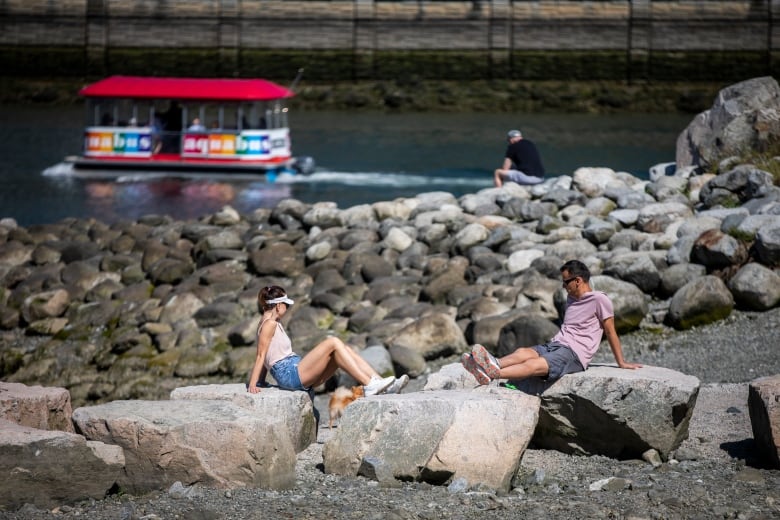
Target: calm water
x=361 y=158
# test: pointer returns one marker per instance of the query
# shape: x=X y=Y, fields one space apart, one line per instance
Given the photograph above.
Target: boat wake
x=393 y=180
x=63 y=169
x=444 y=179
x=185 y=195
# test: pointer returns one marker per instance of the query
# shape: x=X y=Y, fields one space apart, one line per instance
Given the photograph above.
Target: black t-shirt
x=525 y=157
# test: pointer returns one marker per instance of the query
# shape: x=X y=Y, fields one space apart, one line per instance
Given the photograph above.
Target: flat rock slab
x=45 y=408
x=764 y=405
x=615 y=412
x=605 y=410
x=213 y=443
x=294 y=409
x=49 y=468
x=437 y=436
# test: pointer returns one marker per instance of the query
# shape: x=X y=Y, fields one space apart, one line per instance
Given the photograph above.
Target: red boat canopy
x=204 y=89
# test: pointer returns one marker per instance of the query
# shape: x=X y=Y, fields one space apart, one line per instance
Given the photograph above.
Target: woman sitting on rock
x=290 y=371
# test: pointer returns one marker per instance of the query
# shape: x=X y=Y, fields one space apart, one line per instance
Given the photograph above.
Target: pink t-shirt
x=280 y=346
x=582 y=330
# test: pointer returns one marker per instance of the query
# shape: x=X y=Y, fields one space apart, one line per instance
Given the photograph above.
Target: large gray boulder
x=768 y=244
x=525 y=331
x=214 y=443
x=437 y=437
x=44 y=408
x=717 y=250
x=676 y=276
x=293 y=409
x=594 y=181
x=277 y=259
x=755 y=287
x=616 y=412
x=628 y=301
x=736 y=186
x=700 y=301
x=487 y=331
x=656 y=217
x=47 y=304
x=744 y=116
x=764 y=405
x=432 y=335
x=603 y=411
x=636 y=267
x=49 y=468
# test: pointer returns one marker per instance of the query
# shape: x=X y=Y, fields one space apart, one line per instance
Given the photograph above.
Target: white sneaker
x=377 y=385
x=398 y=385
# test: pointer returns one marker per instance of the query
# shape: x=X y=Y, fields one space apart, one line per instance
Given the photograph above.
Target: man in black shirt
x=522 y=163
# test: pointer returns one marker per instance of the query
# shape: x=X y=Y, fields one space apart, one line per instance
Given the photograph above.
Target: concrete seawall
x=374 y=39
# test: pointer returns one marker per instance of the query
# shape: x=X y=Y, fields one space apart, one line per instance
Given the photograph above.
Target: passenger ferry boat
x=191 y=124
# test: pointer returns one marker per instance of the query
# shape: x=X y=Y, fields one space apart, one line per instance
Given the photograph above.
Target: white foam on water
x=367 y=178
x=63 y=169
x=380 y=179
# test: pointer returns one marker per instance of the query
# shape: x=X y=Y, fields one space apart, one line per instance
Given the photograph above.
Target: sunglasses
x=567 y=282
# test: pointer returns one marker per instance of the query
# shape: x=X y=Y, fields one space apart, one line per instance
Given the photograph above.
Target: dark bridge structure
x=344 y=40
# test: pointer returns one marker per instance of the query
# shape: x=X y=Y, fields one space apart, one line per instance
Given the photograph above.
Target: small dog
x=340 y=399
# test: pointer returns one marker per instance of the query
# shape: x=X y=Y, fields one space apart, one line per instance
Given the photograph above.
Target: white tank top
x=280 y=346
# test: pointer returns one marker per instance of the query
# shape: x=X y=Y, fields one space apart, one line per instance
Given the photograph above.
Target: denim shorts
x=560 y=358
x=285 y=373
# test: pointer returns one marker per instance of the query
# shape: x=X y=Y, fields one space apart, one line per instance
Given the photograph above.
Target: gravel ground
x=715 y=474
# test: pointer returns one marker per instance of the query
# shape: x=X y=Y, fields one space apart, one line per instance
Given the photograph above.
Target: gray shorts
x=521 y=178
x=560 y=358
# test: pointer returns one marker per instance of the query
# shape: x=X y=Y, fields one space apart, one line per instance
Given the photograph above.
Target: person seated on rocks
x=291 y=372
x=588 y=315
x=522 y=163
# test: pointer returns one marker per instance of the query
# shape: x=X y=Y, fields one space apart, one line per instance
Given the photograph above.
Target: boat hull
x=177 y=163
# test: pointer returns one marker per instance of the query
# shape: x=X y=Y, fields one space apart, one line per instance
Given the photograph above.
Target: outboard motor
x=304 y=165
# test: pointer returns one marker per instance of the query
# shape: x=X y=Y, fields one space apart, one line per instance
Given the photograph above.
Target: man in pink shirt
x=588 y=316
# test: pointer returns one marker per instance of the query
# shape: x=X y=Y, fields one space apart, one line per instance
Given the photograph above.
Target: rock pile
x=135 y=309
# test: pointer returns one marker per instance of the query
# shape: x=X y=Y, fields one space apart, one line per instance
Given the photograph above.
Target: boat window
x=143 y=112
x=248 y=116
x=230 y=117
x=211 y=116
x=125 y=112
x=252 y=115
x=276 y=115
x=195 y=116
x=171 y=116
x=103 y=113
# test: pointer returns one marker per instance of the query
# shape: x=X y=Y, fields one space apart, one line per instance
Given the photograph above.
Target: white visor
x=280 y=299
